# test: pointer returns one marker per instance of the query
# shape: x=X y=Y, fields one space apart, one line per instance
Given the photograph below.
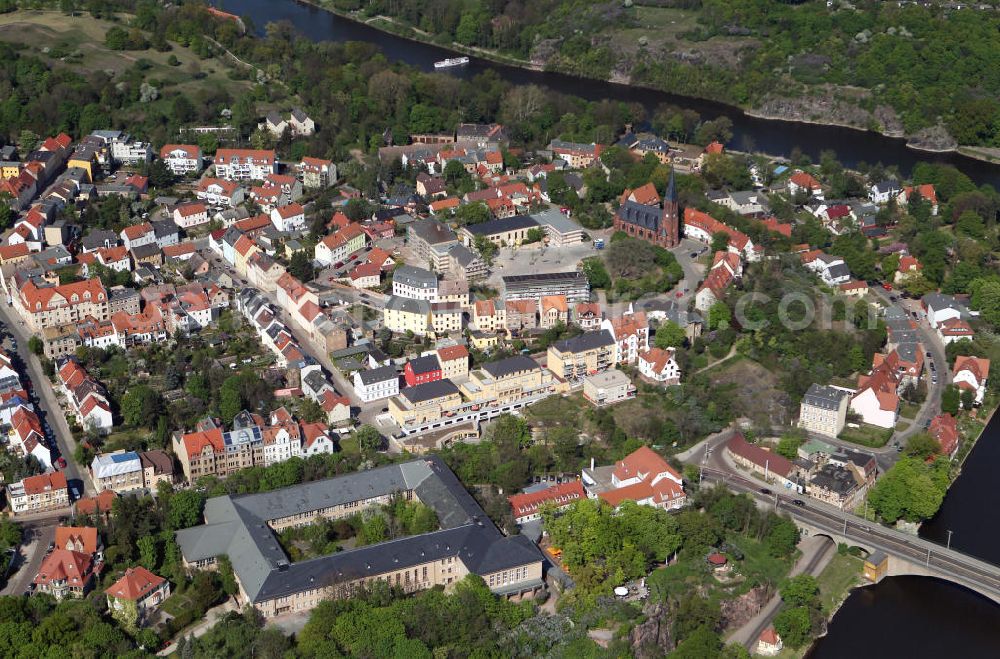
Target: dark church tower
x=670 y=220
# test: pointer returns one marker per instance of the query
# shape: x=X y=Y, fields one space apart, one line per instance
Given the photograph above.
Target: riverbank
x=391 y=26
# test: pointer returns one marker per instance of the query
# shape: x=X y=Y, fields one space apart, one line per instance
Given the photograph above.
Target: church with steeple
x=644 y=216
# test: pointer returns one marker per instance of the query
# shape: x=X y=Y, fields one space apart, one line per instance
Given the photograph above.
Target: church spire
x=671 y=194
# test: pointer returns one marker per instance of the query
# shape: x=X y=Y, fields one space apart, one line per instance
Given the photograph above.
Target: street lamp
x=949 y=538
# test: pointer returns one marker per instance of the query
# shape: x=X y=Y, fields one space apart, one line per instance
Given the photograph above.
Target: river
x=902 y=616
x=777 y=138
x=936 y=618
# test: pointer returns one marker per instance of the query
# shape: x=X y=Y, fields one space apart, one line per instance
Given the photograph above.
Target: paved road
x=693 y=270
x=817 y=551
x=48 y=404
x=932 y=344
x=37 y=536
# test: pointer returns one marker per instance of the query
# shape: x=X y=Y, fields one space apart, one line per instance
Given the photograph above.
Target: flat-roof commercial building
x=559 y=229
x=243 y=528
x=607 y=388
x=573 y=285
x=505 y=232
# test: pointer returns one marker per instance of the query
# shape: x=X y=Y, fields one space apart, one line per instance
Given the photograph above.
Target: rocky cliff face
x=831 y=106
x=738 y=611
x=652 y=639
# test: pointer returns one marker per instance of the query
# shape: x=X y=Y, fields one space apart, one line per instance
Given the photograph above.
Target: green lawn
x=837 y=578
x=867 y=435
x=349 y=446
x=758 y=565
x=176 y=604
x=909 y=411
x=556 y=410
x=78 y=42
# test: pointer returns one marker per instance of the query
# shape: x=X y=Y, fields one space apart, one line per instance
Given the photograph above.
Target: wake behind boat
x=451 y=61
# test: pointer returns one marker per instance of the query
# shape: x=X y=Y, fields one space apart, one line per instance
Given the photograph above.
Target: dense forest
x=922 y=63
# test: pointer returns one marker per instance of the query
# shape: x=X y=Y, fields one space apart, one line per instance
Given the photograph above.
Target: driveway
x=28 y=559
x=817 y=551
x=48 y=406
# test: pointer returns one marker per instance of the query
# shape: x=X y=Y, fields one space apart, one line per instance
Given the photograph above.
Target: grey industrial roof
x=515 y=364
x=541 y=277
x=380 y=374
x=585 y=341
x=502 y=225
x=557 y=221
x=824 y=396
x=237 y=526
x=429 y=391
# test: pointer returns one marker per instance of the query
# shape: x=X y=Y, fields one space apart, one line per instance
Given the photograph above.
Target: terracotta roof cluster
x=774 y=224
x=554 y=302
x=764 y=459
x=644 y=194
x=805 y=180
x=883 y=382
x=656 y=480
x=560 y=495
x=77 y=538
x=37 y=300
x=695 y=218
x=190 y=151
x=452 y=353
x=926 y=191
x=657 y=358
x=62 y=565
x=956 y=327
x=944 y=428
x=35 y=485
x=978 y=367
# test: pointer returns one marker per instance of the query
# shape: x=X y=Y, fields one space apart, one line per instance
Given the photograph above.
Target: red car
x=61 y=463
x=680 y=293
x=887 y=286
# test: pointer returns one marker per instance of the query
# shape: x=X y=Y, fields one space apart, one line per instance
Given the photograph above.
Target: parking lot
x=530 y=259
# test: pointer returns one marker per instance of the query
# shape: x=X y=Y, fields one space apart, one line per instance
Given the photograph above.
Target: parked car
x=799 y=502
x=887 y=286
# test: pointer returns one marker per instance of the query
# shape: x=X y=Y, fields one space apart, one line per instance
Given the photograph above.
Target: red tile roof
x=558 y=495
x=451 y=353
x=44 y=482
x=135 y=584
x=83 y=535
x=775 y=463
x=75 y=568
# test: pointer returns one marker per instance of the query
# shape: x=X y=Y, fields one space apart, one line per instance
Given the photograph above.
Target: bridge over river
x=908 y=554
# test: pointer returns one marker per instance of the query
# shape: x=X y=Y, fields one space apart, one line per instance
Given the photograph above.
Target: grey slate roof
x=647 y=217
x=839 y=270
x=399 y=303
x=823 y=396
x=585 y=341
x=380 y=374
x=429 y=391
x=432 y=232
x=515 y=364
x=237 y=526
x=414 y=277
x=425 y=364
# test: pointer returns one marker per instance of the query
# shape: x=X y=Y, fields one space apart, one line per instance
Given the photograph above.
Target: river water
x=928 y=617
x=776 y=138
x=910 y=617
